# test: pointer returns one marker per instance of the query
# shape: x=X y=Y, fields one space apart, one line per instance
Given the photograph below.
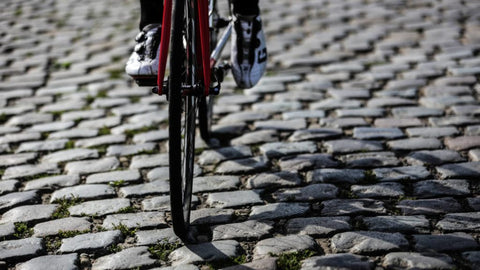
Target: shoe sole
x=145 y=80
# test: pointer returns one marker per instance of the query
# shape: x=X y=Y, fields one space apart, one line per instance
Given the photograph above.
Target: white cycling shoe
x=249 y=51
x=142 y=65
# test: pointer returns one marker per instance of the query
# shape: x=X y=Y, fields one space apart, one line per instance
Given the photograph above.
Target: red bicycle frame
x=204 y=57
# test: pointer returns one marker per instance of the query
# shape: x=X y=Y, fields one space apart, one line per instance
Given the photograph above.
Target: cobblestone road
x=360 y=148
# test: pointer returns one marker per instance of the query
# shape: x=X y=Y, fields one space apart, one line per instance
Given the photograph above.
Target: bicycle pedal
x=221 y=22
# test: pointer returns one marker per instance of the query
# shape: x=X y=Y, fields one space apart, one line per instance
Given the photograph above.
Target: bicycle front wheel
x=182 y=116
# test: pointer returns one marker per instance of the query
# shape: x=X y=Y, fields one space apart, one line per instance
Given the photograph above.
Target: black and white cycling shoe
x=249 y=51
x=142 y=65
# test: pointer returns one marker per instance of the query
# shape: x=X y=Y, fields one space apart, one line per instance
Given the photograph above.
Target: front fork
x=218 y=72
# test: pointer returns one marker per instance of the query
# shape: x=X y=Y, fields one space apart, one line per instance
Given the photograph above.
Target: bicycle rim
x=181 y=133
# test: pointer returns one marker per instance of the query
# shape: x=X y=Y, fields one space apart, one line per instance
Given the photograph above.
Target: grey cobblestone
x=278 y=210
x=216 y=156
x=215 y=183
x=274 y=149
x=473 y=257
x=230 y=199
x=13 y=199
x=48 y=145
x=370 y=159
x=213 y=251
x=415 y=144
x=125 y=259
x=134 y=220
x=313 y=192
x=339 y=207
x=435 y=157
x=434 y=188
x=48 y=183
x=211 y=216
x=278 y=245
x=92 y=166
x=243 y=166
x=151 y=188
x=445 y=242
x=459 y=222
x=127 y=176
x=337 y=261
x=431 y=132
x=29 y=213
x=418 y=260
x=151 y=237
x=20 y=249
x=318 y=226
x=418 y=224
x=459 y=170
x=387 y=189
x=368 y=242
x=99 y=207
x=350 y=145
x=251 y=229
x=84 y=192
x=7 y=186
x=314 y=134
x=67 y=262
x=401 y=173
x=90 y=241
x=53 y=227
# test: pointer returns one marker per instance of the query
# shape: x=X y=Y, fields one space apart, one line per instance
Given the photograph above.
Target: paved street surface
x=359 y=149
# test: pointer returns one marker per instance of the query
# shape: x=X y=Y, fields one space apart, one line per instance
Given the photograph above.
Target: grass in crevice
x=22 y=230
x=292 y=260
x=64 y=204
x=162 y=249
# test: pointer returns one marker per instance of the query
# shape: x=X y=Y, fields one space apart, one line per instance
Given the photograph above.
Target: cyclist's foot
x=142 y=65
x=249 y=52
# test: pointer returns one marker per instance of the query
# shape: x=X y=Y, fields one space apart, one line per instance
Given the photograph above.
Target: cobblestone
x=278 y=210
x=418 y=260
x=435 y=157
x=125 y=259
x=318 y=226
x=234 y=198
x=21 y=249
x=278 y=245
x=13 y=199
x=248 y=230
x=213 y=251
x=337 y=261
x=366 y=119
x=29 y=213
x=53 y=227
x=67 y=262
x=99 y=207
x=84 y=192
x=368 y=242
x=445 y=242
x=401 y=173
x=338 y=207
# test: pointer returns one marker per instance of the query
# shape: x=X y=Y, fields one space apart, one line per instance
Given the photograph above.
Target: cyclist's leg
x=151 y=12
x=143 y=62
x=249 y=51
x=246 y=7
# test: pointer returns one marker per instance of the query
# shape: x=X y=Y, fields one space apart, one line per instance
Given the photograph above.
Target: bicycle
x=189 y=28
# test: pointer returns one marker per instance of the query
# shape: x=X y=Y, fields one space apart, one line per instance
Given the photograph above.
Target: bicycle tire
x=181 y=133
